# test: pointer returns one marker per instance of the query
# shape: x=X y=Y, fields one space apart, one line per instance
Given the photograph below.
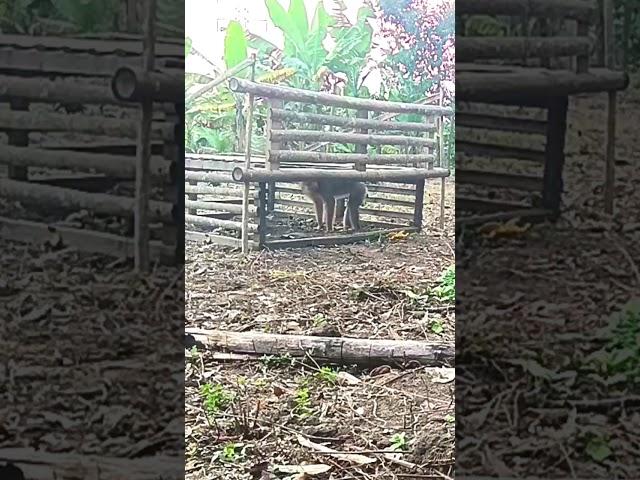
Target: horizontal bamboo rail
x=216 y=222
x=363 y=210
x=132 y=85
x=470 y=49
x=295 y=189
x=344 y=137
x=349 y=122
x=347 y=158
x=206 y=190
x=85 y=240
x=297 y=95
x=60 y=122
x=487 y=86
x=406 y=174
x=101 y=203
x=226 y=207
x=499 y=151
x=569 y=9
x=214 y=177
x=116 y=165
x=496 y=179
x=57 y=91
x=509 y=124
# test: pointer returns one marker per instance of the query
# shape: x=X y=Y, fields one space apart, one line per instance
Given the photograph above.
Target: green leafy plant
x=437 y=326
x=215 y=398
x=399 y=441
x=272 y=361
x=232 y=452
x=302 y=402
x=446 y=291
x=327 y=375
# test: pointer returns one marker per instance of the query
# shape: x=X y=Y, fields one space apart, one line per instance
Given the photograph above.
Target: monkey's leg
x=340 y=208
x=318 y=205
x=346 y=220
x=331 y=213
x=354 y=214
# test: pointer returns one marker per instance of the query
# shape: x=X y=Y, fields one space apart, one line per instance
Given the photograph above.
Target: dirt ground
x=264 y=409
x=549 y=292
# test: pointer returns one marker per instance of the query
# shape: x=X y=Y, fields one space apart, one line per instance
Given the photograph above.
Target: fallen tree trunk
x=38 y=465
x=341 y=350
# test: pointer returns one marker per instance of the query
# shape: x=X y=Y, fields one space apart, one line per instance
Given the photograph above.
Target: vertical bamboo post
x=247 y=166
x=608 y=34
x=132 y=16
x=610 y=153
x=271 y=145
x=626 y=28
x=143 y=149
x=582 y=61
x=441 y=159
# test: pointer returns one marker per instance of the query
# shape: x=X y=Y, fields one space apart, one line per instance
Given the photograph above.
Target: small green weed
x=215 y=398
x=437 y=326
x=399 y=441
x=446 y=291
x=302 y=402
x=274 y=361
x=232 y=452
x=327 y=375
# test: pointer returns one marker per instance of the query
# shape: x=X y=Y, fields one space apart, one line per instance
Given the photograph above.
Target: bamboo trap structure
x=143 y=148
x=531 y=76
x=395 y=181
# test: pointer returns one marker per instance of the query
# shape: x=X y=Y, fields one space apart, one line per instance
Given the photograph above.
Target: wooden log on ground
x=207 y=238
x=115 y=165
x=349 y=122
x=297 y=95
x=81 y=239
x=216 y=222
x=406 y=174
x=48 y=196
x=570 y=9
x=470 y=49
x=133 y=85
x=343 y=137
x=60 y=122
x=346 y=158
x=476 y=204
x=328 y=349
x=40 y=465
x=533 y=214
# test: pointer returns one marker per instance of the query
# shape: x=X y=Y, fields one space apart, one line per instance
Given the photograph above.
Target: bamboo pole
x=344 y=137
x=116 y=165
x=405 y=175
x=60 y=122
x=216 y=222
x=100 y=203
x=144 y=148
x=226 y=207
x=348 y=122
x=441 y=159
x=347 y=158
x=608 y=33
x=329 y=99
x=574 y=9
x=247 y=166
x=474 y=48
x=217 y=81
x=610 y=154
x=134 y=85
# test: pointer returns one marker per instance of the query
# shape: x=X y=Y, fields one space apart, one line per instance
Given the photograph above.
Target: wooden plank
x=366 y=211
x=507 y=124
x=200 y=237
x=214 y=222
x=81 y=239
x=210 y=165
x=498 y=179
x=334 y=240
x=373 y=223
x=499 y=151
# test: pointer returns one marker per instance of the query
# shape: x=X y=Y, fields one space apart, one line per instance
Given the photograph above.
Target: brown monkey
x=325 y=194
